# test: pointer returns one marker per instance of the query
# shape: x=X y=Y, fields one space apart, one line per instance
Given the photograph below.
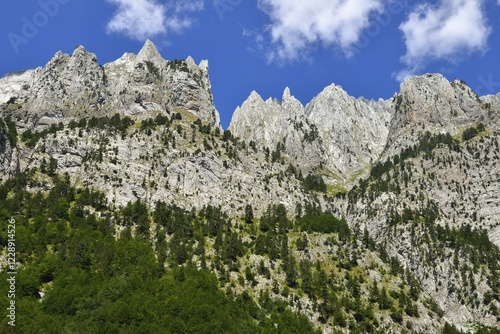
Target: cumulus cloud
x=142 y=19
x=448 y=30
x=298 y=25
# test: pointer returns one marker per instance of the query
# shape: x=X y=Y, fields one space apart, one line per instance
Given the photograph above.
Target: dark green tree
x=248 y=214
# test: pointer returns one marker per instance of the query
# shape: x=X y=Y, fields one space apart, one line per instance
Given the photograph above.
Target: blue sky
x=366 y=46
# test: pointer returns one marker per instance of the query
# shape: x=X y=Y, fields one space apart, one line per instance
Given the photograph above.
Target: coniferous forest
x=89 y=268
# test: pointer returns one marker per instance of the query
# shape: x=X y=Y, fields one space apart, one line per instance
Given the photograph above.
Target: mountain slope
x=335 y=134
x=279 y=125
x=76 y=86
x=367 y=216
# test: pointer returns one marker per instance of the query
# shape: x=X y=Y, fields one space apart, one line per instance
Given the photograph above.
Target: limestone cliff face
x=167 y=145
x=67 y=87
x=432 y=103
x=182 y=161
x=453 y=185
x=76 y=86
x=166 y=164
x=279 y=125
x=147 y=83
x=435 y=183
x=444 y=188
x=335 y=132
x=491 y=104
x=9 y=160
x=353 y=131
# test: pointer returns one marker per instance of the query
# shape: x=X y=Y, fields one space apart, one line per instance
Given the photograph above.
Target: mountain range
x=416 y=178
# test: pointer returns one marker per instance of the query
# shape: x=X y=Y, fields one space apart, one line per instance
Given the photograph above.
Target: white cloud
x=142 y=19
x=404 y=74
x=449 y=30
x=298 y=25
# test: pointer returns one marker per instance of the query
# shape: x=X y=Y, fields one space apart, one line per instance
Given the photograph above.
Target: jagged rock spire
x=149 y=52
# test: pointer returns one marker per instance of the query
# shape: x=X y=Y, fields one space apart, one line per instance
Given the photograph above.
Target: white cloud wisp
x=142 y=19
x=298 y=25
x=447 y=31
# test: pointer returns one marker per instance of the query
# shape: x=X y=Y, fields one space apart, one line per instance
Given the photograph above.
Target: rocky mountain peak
x=469 y=101
x=254 y=96
x=142 y=85
x=58 y=58
x=80 y=51
x=431 y=103
x=278 y=126
x=333 y=130
x=203 y=65
x=290 y=104
x=149 y=52
x=424 y=216
x=83 y=59
x=333 y=89
x=190 y=62
x=286 y=94
x=352 y=131
x=254 y=103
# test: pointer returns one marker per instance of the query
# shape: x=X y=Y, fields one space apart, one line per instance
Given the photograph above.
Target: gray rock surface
x=76 y=86
x=431 y=103
x=9 y=160
x=190 y=163
x=353 y=132
x=335 y=133
x=271 y=123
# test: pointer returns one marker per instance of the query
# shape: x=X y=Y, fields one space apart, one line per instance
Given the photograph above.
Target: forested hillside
x=135 y=212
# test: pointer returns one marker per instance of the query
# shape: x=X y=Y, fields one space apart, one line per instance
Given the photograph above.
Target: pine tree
x=248 y=214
